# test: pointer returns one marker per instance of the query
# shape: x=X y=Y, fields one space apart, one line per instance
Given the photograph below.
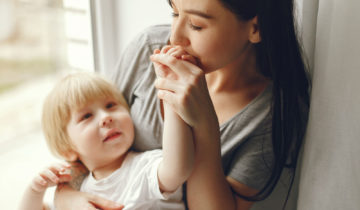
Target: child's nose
x=106 y=121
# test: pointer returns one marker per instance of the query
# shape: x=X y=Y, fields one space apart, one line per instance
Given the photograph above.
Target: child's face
x=102 y=131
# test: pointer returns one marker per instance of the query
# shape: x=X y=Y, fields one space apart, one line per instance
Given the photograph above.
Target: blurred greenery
x=13 y=72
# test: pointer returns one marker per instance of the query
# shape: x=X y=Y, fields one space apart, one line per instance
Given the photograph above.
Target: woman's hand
x=183 y=86
x=72 y=199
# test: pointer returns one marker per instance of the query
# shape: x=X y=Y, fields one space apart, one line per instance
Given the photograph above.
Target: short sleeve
x=130 y=67
x=253 y=162
x=135 y=60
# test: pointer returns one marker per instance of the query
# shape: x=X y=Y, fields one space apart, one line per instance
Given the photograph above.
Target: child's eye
x=110 y=105
x=86 y=116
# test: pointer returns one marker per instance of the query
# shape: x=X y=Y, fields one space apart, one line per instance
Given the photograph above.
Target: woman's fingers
x=65 y=178
x=169 y=85
x=163 y=71
x=190 y=59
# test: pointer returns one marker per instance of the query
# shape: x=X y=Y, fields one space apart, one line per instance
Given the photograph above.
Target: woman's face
x=210 y=32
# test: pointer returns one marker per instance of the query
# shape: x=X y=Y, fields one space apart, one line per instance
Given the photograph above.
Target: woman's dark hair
x=279 y=57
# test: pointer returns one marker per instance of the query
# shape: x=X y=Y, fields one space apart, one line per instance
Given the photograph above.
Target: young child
x=85 y=118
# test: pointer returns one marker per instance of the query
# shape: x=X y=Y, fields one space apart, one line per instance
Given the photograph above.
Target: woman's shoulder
x=153 y=37
x=157 y=34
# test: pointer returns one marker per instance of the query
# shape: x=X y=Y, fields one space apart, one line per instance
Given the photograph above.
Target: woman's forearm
x=207 y=187
x=65 y=190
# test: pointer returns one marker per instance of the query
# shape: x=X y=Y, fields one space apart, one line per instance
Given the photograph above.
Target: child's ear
x=71 y=156
x=254 y=36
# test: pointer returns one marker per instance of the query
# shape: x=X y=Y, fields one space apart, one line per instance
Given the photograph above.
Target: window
x=39 y=39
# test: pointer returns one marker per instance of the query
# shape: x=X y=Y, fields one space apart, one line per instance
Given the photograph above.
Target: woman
x=246 y=99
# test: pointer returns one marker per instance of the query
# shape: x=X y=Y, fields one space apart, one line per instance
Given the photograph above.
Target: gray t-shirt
x=245 y=138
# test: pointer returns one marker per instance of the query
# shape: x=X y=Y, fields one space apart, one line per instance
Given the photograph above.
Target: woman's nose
x=106 y=121
x=178 y=34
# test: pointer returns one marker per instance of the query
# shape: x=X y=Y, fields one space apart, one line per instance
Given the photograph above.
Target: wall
x=135 y=15
x=116 y=23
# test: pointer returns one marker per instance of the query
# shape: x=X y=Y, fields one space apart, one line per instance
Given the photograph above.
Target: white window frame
x=105 y=34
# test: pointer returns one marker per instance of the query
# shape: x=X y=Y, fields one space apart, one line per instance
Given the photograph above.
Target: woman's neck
x=235 y=76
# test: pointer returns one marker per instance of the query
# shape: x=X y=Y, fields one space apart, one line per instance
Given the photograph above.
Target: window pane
x=36 y=42
x=31 y=40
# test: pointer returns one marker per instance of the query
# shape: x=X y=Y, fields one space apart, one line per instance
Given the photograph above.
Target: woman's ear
x=254 y=36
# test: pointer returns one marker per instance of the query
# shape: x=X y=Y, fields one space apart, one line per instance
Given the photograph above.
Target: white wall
x=135 y=15
x=117 y=22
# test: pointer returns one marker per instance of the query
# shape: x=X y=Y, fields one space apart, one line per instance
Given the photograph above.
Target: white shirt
x=135 y=184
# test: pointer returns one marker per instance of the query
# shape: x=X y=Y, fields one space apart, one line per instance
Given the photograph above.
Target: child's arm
x=178 y=144
x=34 y=193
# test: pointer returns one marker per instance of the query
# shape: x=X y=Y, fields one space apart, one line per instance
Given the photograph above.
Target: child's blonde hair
x=71 y=93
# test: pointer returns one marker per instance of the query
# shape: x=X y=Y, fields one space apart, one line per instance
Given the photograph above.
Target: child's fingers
x=173 y=51
x=39 y=184
x=58 y=168
x=180 y=53
x=48 y=175
x=156 y=51
x=165 y=49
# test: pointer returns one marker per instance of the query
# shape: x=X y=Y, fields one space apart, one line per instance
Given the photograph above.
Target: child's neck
x=107 y=169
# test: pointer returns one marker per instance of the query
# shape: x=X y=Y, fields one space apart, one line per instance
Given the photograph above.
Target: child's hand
x=51 y=176
x=175 y=51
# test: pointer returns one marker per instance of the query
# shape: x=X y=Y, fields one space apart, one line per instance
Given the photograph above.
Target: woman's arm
x=207 y=187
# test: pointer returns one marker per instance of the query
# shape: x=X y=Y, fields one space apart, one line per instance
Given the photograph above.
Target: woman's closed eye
x=174 y=15
x=192 y=26
x=195 y=27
